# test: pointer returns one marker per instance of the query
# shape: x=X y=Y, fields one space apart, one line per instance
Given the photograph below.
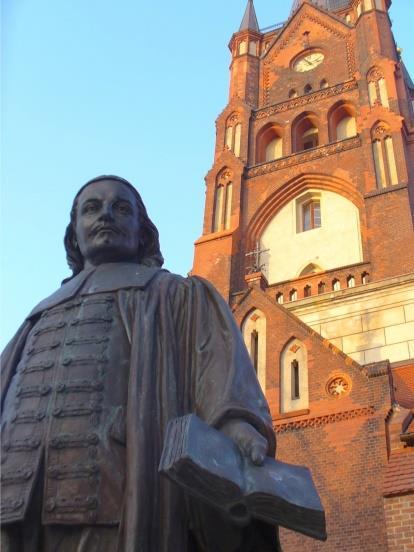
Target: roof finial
x=249 y=22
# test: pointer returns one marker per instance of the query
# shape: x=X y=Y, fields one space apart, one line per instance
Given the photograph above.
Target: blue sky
x=101 y=87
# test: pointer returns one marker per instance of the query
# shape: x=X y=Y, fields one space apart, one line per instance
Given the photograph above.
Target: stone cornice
x=305 y=100
x=303 y=157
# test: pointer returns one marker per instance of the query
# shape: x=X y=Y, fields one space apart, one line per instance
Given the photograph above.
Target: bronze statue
x=91 y=380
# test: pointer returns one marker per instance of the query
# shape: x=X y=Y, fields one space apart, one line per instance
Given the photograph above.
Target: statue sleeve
x=223 y=379
x=10 y=357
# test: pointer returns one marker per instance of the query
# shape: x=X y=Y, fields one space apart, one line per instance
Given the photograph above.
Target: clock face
x=308 y=62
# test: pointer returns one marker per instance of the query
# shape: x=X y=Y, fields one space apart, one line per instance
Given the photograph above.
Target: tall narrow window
x=254 y=335
x=232 y=139
x=293 y=295
x=383 y=93
x=223 y=201
x=229 y=137
x=295 y=380
x=227 y=209
x=307 y=291
x=279 y=298
x=253 y=48
x=350 y=281
x=218 y=208
x=308 y=89
x=294 y=387
x=311 y=215
x=392 y=167
x=372 y=92
x=237 y=140
x=254 y=349
x=321 y=287
x=243 y=47
x=384 y=157
x=377 y=88
x=379 y=164
x=324 y=83
x=364 y=278
x=336 y=285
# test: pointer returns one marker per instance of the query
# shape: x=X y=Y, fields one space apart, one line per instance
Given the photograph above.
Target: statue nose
x=107 y=213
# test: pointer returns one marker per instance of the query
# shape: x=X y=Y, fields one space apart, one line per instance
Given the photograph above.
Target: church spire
x=249 y=22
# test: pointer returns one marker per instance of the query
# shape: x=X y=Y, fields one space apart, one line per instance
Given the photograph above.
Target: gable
x=328 y=367
x=309 y=29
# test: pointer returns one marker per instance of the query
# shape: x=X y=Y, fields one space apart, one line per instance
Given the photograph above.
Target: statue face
x=107 y=223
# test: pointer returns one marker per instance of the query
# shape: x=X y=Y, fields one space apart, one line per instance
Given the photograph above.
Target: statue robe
x=187 y=355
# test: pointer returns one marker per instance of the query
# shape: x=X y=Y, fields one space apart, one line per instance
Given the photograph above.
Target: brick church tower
x=308 y=234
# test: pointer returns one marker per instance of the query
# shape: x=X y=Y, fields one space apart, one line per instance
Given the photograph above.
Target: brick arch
x=292 y=189
x=304 y=121
x=336 y=112
x=264 y=136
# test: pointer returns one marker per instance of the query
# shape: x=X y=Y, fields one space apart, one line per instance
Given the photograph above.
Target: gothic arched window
x=377 y=88
x=233 y=134
x=223 y=201
x=305 y=132
x=269 y=143
x=384 y=156
x=294 y=389
x=342 y=121
x=254 y=335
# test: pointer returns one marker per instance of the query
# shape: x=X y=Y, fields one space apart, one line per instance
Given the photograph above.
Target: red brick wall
x=342 y=440
x=399 y=514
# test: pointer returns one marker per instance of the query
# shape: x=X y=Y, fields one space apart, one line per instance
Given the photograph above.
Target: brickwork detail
x=305 y=100
x=319 y=421
x=304 y=157
x=399 y=515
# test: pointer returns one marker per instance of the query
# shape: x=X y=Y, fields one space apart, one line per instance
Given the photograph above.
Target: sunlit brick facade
x=314 y=166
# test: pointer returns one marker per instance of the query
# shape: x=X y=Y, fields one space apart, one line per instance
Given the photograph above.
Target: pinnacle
x=249 y=21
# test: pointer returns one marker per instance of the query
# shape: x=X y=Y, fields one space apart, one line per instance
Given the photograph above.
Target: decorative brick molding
x=320 y=421
x=339 y=386
x=304 y=157
x=377 y=369
x=305 y=100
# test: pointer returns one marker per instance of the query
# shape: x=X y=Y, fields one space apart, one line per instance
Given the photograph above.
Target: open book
x=209 y=465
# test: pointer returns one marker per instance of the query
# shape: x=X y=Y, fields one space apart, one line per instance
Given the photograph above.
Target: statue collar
x=100 y=279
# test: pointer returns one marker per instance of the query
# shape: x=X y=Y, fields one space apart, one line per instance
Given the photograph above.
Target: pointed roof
x=249 y=22
x=328 y=5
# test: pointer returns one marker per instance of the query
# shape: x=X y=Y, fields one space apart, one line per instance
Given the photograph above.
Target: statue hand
x=248 y=439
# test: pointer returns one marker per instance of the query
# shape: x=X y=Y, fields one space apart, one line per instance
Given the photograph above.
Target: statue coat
x=186 y=355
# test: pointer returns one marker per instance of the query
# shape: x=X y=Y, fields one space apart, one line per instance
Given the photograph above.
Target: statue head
x=109 y=223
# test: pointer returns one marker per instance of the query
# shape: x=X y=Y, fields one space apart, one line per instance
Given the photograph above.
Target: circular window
x=338 y=386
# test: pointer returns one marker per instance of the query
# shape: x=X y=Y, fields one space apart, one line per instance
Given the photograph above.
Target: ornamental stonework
x=306 y=99
x=338 y=386
x=304 y=157
x=320 y=421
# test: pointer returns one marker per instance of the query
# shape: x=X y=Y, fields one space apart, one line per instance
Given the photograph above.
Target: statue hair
x=149 y=252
